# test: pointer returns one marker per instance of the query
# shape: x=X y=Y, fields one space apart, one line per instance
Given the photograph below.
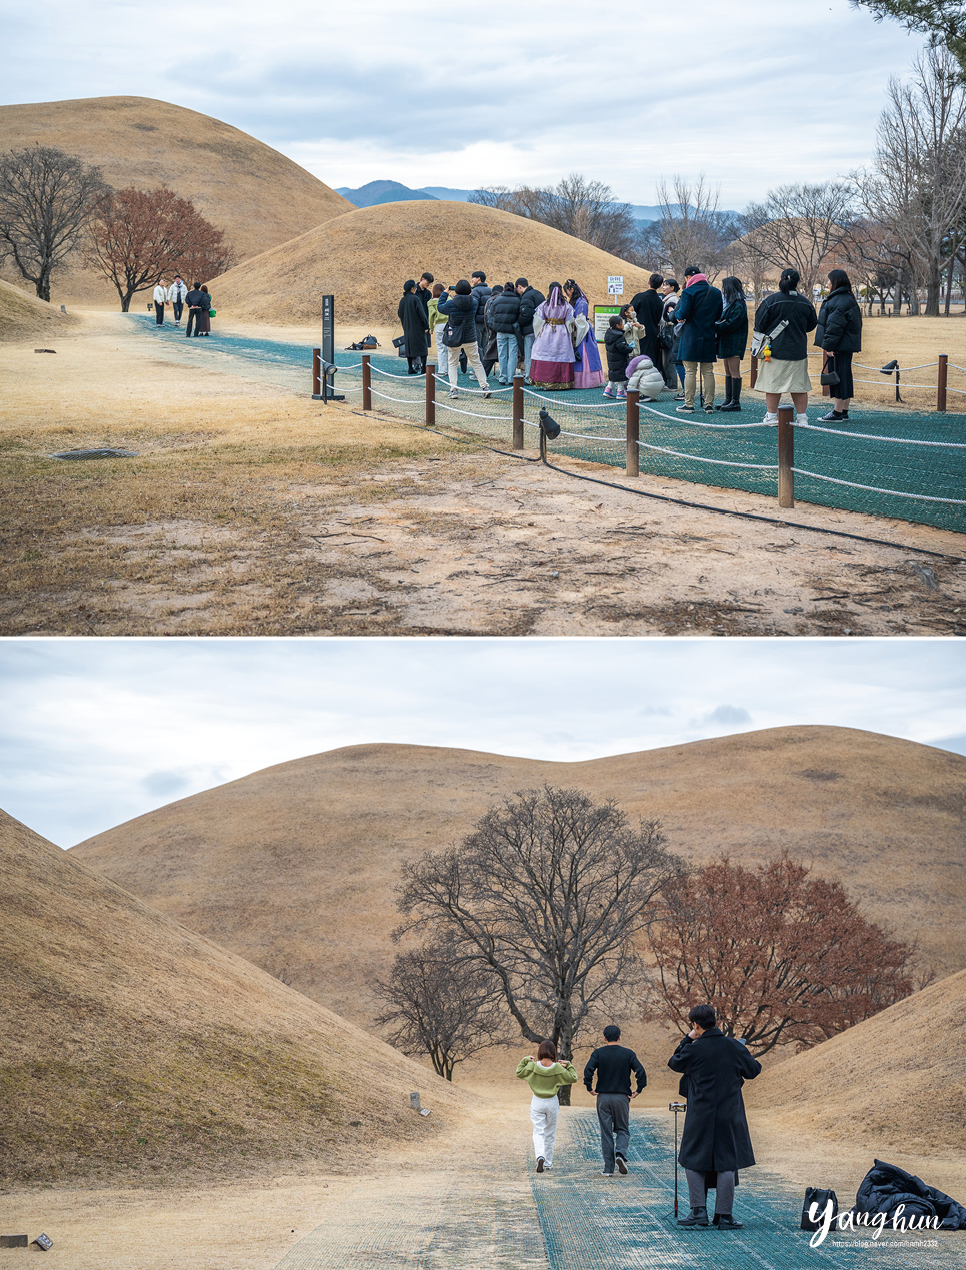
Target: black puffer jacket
x=732 y=328
x=619 y=353
x=503 y=313
x=461 y=312
x=839 y=326
x=791 y=345
x=530 y=301
x=886 y=1186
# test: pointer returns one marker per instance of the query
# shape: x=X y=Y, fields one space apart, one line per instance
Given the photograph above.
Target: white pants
x=472 y=356
x=543 y=1117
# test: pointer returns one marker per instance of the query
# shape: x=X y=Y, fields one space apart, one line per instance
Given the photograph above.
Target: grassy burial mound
x=258 y=196
x=23 y=316
x=897 y=1080
x=132 y=1047
x=295 y=866
x=364 y=257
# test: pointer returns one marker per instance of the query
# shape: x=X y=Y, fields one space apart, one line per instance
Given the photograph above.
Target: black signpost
x=323 y=359
x=328 y=329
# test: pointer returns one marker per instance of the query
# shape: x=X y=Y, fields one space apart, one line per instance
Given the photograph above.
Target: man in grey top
x=613 y=1064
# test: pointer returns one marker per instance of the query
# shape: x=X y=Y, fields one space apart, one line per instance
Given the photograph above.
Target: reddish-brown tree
x=783 y=957
x=141 y=236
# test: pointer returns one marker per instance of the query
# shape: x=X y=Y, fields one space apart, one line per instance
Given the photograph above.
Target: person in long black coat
x=415 y=325
x=648 y=306
x=715 y=1143
x=839 y=333
x=699 y=308
x=732 y=328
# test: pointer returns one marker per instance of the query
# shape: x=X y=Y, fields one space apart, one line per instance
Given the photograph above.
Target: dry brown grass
x=240 y=184
x=364 y=257
x=23 y=316
x=135 y=1049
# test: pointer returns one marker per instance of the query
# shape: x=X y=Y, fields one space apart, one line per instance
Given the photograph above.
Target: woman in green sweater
x=545 y=1075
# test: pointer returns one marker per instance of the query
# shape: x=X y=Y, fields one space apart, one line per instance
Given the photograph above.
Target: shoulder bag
x=760 y=339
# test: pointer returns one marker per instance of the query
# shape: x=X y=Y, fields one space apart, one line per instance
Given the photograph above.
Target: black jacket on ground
x=885 y=1187
x=715 y=1137
x=460 y=311
x=649 y=305
x=619 y=353
x=699 y=308
x=415 y=325
x=732 y=328
x=839 y=327
x=791 y=345
x=503 y=313
x=613 y=1065
x=530 y=301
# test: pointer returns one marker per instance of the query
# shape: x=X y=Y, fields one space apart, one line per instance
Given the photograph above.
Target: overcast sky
x=95 y=732
x=753 y=94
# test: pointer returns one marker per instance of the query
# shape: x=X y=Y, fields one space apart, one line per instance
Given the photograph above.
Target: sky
x=95 y=732
x=753 y=95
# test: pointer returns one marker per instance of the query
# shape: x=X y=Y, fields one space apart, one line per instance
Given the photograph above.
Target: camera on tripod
x=677 y=1106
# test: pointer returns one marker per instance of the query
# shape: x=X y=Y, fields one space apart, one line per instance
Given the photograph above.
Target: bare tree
x=138 y=236
x=545 y=897
x=439 y=1007
x=784 y=957
x=800 y=226
x=585 y=209
x=917 y=185
x=691 y=230
x=47 y=198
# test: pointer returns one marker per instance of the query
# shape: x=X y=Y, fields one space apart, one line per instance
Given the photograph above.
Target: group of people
x=197 y=301
x=715 y=1143
x=666 y=338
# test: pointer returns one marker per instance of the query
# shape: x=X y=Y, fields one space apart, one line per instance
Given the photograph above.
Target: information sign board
x=602 y=316
x=615 y=284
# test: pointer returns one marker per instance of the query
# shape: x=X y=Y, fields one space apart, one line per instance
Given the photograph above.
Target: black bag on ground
x=820 y=1198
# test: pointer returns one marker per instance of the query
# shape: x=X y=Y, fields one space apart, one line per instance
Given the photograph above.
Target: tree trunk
x=932 y=290
x=125 y=303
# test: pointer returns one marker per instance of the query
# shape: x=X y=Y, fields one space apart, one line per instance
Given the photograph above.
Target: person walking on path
x=176 y=294
x=530 y=301
x=415 y=326
x=786 y=317
x=460 y=305
x=503 y=316
x=648 y=305
x=699 y=308
x=588 y=370
x=160 y=296
x=613 y=1064
x=715 y=1143
x=839 y=333
x=552 y=358
x=732 y=328
x=197 y=302
x=545 y=1075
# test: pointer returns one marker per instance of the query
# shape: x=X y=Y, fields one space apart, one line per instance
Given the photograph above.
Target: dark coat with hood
x=482 y=293
x=529 y=303
x=461 y=312
x=715 y=1137
x=839 y=326
x=619 y=353
x=699 y=308
x=791 y=345
x=732 y=328
x=415 y=325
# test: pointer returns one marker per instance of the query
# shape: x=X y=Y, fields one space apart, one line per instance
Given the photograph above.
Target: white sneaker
x=770 y=417
x=801 y=418
x=453 y=395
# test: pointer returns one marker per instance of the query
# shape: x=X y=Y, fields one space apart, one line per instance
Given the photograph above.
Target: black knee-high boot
x=734 y=402
x=727 y=401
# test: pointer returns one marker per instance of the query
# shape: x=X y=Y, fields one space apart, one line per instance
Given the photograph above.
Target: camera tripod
x=677 y=1108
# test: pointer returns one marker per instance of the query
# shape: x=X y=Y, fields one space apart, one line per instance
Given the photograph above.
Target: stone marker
x=414 y=1101
x=44 y=1242
x=13 y=1241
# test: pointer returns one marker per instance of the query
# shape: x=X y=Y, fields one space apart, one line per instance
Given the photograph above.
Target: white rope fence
x=875 y=489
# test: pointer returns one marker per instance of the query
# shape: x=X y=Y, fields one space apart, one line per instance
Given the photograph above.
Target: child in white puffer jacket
x=644 y=377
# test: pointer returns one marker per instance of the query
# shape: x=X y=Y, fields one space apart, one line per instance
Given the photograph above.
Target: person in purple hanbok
x=552 y=360
x=588 y=370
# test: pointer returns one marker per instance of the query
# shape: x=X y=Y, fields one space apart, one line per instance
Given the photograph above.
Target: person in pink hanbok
x=552 y=360
x=588 y=370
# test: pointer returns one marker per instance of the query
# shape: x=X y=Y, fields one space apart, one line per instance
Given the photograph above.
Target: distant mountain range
x=395 y=192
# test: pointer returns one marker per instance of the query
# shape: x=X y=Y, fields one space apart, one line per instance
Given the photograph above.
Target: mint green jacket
x=545 y=1081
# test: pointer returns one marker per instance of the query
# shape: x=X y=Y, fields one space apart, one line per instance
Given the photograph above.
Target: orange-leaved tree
x=784 y=957
x=142 y=236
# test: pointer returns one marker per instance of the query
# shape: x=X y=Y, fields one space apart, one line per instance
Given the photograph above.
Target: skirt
x=778 y=376
x=555 y=376
x=841 y=363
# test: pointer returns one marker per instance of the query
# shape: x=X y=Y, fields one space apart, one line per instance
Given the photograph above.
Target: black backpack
x=821 y=1199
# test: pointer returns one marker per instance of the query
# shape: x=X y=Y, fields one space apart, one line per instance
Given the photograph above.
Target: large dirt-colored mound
x=258 y=196
x=364 y=257
x=23 y=316
x=133 y=1047
x=898 y=1079
x=295 y=866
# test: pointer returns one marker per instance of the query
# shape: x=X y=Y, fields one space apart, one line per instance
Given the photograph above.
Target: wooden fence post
x=786 y=457
x=518 y=412
x=366 y=383
x=316 y=374
x=430 y=395
x=753 y=377
x=633 y=460
x=941 y=383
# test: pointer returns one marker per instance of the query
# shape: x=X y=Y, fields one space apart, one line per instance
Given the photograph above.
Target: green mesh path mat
x=626 y=1223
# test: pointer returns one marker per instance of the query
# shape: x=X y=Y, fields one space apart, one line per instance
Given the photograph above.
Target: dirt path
x=253 y=511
